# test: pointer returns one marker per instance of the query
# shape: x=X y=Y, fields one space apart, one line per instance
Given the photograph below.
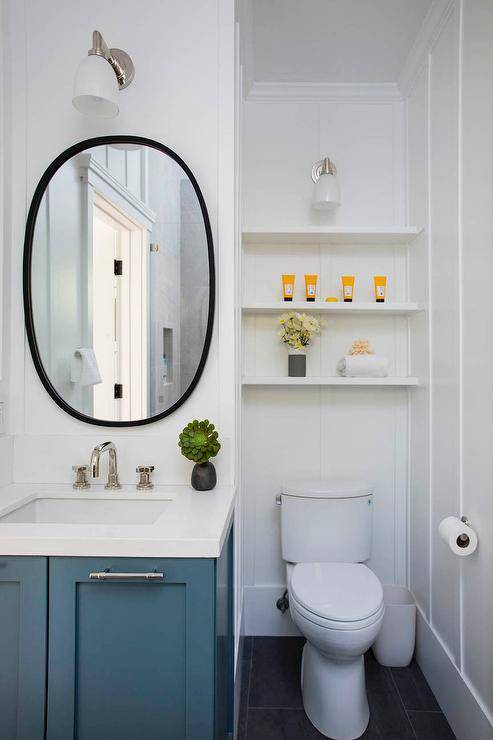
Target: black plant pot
x=204 y=476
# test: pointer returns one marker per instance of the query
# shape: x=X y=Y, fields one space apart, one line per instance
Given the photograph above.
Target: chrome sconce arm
x=119 y=60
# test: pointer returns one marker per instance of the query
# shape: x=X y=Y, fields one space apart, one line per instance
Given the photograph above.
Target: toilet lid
x=327 y=488
x=342 y=592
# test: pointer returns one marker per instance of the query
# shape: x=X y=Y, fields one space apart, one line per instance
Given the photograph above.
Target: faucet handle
x=145 y=482
x=80 y=477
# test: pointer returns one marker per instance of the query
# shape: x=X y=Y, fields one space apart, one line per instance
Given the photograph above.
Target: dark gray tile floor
x=402 y=705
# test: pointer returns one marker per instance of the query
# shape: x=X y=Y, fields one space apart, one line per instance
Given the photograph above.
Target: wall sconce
x=99 y=79
x=327 y=192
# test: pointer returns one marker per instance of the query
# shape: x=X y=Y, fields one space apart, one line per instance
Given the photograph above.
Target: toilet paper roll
x=460 y=537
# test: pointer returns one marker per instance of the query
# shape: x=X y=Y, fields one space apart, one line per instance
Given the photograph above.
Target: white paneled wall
x=445 y=363
x=301 y=432
x=167 y=111
x=282 y=140
x=450 y=127
x=5 y=189
x=477 y=344
x=296 y=432
x=420 y=474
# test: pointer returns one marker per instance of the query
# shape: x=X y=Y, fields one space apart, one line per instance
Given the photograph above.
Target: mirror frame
x=27 y=286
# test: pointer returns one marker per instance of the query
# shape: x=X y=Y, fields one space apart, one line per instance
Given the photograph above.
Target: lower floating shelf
x=340 y=381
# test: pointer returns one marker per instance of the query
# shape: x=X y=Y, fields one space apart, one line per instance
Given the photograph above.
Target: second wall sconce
x=327 y=191
x=100 y=77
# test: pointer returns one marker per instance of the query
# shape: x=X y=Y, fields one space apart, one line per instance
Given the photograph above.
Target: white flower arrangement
x=298 y=329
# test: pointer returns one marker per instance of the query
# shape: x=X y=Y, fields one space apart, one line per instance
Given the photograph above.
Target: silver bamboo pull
x=108 y=576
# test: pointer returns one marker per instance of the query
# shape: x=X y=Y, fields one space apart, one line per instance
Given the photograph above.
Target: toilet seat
x=340 y=596
x=334 y=625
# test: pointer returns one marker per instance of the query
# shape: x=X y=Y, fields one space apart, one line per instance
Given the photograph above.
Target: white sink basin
x=95 y=510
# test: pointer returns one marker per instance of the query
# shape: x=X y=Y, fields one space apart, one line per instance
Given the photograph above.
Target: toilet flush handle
x=278 y=499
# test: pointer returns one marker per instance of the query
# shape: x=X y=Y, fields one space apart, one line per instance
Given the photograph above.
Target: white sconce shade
x=96 y=88
x=327 y=194
x=100 y=77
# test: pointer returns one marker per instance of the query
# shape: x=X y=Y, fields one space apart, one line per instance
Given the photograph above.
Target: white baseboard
x=261 y=614
x=456 y=698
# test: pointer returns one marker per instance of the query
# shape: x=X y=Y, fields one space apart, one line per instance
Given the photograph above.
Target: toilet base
x=334 y=694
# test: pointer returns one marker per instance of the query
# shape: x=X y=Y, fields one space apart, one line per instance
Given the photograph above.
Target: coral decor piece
x=361 y=347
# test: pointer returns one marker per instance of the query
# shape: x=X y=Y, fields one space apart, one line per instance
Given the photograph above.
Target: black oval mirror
x=119 y=281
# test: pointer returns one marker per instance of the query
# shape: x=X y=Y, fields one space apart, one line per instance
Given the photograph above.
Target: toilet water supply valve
x=283 y=602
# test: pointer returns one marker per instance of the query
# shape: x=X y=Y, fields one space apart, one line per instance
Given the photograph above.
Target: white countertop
x=193 y=524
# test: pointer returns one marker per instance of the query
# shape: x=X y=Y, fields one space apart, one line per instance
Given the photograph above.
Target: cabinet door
x=23 y=607
x=131 y=660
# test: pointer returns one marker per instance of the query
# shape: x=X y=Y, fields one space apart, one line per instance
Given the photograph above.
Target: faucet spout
x=109 y=447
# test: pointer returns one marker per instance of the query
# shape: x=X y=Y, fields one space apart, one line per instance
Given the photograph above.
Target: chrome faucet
x=113 y=467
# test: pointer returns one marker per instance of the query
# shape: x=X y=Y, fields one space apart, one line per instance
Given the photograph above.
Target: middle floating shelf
x=387 y=309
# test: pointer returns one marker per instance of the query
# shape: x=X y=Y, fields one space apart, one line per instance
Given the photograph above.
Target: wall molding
x=316 y=91
x=93 y=173
x=432 y=26
x=461 y=705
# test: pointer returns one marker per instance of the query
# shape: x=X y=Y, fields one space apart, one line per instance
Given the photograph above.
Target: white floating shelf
x=387 y=382
x=387 y=309
x=336 y=235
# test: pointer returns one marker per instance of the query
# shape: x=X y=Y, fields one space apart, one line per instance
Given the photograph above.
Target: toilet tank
x=326 y=521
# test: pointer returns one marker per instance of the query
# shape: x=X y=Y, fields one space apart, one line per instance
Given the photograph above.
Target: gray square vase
x=297 y=365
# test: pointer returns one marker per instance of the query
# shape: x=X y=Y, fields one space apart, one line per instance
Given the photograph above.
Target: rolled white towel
x=84 y=368
x=363 y=366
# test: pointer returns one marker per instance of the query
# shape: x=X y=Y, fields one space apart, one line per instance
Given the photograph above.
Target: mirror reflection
x=120 y=282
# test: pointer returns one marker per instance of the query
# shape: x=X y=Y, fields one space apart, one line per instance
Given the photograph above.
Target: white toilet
x=335 y=600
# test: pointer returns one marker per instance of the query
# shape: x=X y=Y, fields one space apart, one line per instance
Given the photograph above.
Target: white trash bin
x=394 y=646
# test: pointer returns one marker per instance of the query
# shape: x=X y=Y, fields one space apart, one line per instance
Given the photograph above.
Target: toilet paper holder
x=459 y=535
x=463 y=539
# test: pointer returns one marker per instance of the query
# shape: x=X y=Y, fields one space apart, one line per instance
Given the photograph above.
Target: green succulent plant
x=199 y=441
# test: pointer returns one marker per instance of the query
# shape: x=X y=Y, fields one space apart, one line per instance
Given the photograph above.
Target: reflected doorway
x=119 y=312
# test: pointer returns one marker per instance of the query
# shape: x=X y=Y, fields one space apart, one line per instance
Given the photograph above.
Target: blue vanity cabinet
x=140 y=660
x=23 y=630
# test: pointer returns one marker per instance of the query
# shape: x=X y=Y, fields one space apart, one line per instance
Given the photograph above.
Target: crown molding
x=430 y=30
x=317 y=91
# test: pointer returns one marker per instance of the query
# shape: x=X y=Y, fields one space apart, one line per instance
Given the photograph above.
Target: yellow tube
x=311 y=287
x=288 y=287
x=347 y=288
x=380 y=282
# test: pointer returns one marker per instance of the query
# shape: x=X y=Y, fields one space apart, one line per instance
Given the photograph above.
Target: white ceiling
x=338 y=41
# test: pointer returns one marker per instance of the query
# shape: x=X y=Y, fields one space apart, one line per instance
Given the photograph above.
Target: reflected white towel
x=363 y=366
x=84 y=367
